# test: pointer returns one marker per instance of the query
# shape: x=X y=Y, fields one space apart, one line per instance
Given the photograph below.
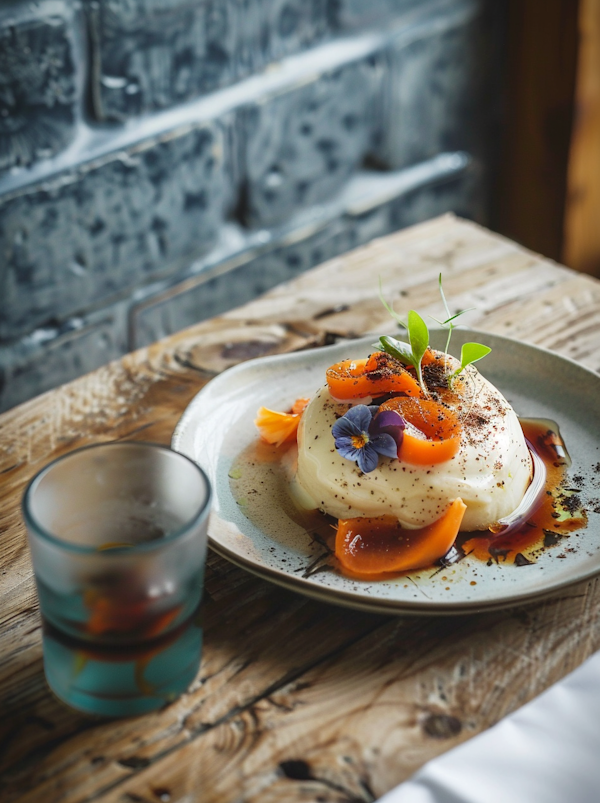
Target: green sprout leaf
x=470 y=353
x=418 y=335
x=409 y=353
x=397 y=348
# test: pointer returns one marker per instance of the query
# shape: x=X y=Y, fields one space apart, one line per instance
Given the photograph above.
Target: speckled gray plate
x=218 y=425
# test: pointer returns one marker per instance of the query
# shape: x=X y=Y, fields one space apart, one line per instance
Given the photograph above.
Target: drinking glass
x=117 y=534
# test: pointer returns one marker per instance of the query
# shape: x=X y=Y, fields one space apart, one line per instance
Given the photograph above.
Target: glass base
x=104 y=683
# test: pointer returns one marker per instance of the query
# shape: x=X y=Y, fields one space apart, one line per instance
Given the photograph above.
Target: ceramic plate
x=254 y=524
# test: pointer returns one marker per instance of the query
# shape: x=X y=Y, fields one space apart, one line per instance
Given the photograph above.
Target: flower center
x=360 y=441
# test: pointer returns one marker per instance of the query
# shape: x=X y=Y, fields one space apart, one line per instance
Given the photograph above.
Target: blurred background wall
x=162 y=161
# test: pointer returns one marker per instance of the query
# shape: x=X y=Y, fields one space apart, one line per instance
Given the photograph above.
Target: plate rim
x=345 y=598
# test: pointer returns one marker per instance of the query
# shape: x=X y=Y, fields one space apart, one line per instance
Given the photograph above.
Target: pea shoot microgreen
x=470 y=353
x=449 y=322
x=390 y=309
x=411 y=353
x=418 y=336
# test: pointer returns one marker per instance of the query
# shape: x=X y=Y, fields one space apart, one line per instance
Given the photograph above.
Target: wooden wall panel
x=541 y=64
x=582 y=214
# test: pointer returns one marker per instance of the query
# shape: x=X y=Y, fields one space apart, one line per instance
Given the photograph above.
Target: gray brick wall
x=444 y=113
x=164 y=160
x=38 y=103
x=78 y=238
x=302 y=145
x=150 y=54
x=372 y=206
x=358 y=14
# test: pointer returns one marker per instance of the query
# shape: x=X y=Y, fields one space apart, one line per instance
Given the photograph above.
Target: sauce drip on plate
x=559 y=515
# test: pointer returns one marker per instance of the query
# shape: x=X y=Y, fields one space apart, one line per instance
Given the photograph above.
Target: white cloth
x=546 y=752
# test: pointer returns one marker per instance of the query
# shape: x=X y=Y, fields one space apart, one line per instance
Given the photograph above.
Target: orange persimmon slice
x=431 y=356
x=439 y=425
x=299 y=406
x=275 y=427
x=377 y=375
x=369 y=547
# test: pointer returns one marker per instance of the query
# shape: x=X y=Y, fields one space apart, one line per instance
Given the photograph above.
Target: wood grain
x=295 y=700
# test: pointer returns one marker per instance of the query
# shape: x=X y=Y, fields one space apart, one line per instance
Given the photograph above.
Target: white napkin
x=546 y=752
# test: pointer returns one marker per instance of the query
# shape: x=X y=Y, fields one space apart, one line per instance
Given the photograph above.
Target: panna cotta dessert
x=490 y=469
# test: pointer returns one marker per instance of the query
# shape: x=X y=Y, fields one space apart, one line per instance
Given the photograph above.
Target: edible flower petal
x=355 y=422
x=278 y=428
x=389 y=422
x=357 y=437
x=385 y=445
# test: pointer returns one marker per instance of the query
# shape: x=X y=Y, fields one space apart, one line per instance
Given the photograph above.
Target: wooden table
x=296 y=700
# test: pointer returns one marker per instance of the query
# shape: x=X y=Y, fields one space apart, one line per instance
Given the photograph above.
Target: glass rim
x=148 y=546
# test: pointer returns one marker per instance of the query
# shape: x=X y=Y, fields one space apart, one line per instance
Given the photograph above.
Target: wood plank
x=296 y=700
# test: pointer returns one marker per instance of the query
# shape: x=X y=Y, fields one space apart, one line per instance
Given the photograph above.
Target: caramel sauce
x=559 y=515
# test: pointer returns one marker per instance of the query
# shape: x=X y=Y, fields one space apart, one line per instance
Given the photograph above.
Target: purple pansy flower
x=361 y=436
